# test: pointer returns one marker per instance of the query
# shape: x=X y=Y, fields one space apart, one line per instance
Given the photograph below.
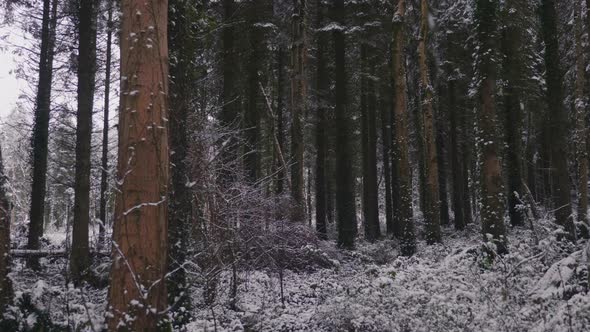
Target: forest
x=295 y=165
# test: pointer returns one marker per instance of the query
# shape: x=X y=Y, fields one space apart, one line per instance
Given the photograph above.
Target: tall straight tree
x=369 y=146
x=104 y=174
x=40 y=136
x=581 y=130
x=345 y=192
x=401 y=115
x=511 y=44
x=80 y=257
x=431 y=194
x=557 y=119
x=5 y=283
x=322 y=89
x=137 y=295
x=492 y=191
x=456 y=162
x=183 y=74
x=298 y=95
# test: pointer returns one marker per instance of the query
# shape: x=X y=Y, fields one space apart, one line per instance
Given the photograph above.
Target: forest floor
x=452 y=286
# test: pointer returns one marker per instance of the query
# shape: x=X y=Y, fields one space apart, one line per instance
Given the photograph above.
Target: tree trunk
x=280 y=130
x=459 y=201
x=137 y=295
x=513 y=71
x=408 y=239
x=386 y=151
x=581 y=131
x=183 y=75
x=432 y=199
x=558 y=120
x=298 y=95
x=40 y=136
x=104 y=174
x=323 y=86
x=345 y=192
x=80 y=259
x=5 y=283
x=492 y=202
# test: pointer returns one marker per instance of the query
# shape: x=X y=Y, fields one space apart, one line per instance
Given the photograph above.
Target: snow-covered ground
x=452 y=286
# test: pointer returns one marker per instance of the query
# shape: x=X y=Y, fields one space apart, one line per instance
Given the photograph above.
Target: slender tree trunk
x=408 y=239
x=137 y=295
x=321 y=173
x=386 y=139
x=40 y=136
x=104 y=174
x=581 y=131
x=511 y=44
x=456 y=162
x=492 y=202
x=80 y=259
x=442 y=173
x=298 y=95
x=369 y=148
x=432 y=199
x=5 y=283
x=558 y=119
x=345 y=192
x=280 y=127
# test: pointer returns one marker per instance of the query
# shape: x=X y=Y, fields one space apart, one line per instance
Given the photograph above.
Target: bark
x=80 y=259
x=459 y=201
x=513 y=71
x=431 y=194
x=492 y=191
x=298 y=95
x=40 y=136
x=558 y=120
x=5 y=282
x=183 y=74
x=138 y=294
x=442 y=171
x=321 y=173
x=104 y=174
x=408 y=239
x=345 y=191
x=280 y=130
x=229 y=117
x=369 y=148
x=386 y=156
x=581 y=131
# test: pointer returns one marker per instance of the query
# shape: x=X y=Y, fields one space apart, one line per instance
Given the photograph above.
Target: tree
x=5 y=283
x=408 y=239
x=581 y=131
x=40 y=138
x=513 y=70
x=104 y=174
x=80 y=258
x=492 y=191
x=432 y=199
x=137 y=296
x=321 y=128
x=298 y=99
x=557 y=124
x=345 y=193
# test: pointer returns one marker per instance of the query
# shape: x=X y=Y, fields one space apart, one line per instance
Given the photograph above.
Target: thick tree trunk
x=431 y=194
x=40 y=136
x=558 y=119
x=345 y=192
x=511 y=44
x=137 y=295
x=298 y=99
x=104 y=174
x=492 y=201
x=5 y=283
x=408 y=239
x=321 y=172
x=80 y=259
x=581 y=131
